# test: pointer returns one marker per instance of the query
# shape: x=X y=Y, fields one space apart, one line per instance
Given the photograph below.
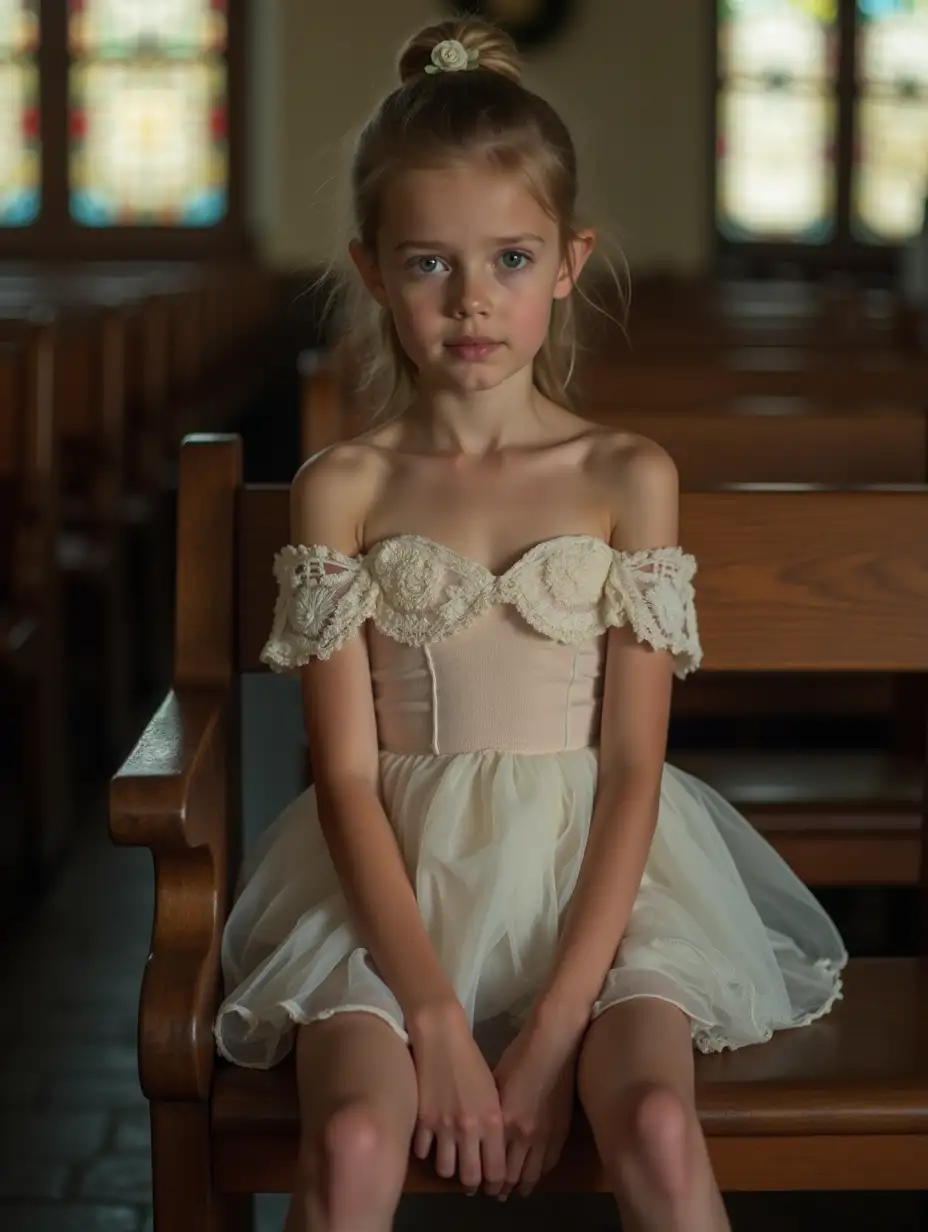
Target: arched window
x=121 y=127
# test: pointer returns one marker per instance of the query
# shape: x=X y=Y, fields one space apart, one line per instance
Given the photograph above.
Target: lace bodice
x=464 y=658
x=418 y=592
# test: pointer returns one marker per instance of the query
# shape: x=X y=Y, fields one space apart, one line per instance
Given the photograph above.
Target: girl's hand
x=536 y=1077
x=459 y=1107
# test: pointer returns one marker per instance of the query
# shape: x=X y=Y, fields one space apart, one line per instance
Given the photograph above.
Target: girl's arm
x=327 y=507
x=636 y=707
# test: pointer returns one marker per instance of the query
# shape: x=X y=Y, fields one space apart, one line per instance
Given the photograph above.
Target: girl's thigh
x=355 y=1059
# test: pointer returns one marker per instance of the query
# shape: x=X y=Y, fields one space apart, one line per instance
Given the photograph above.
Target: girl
x=496 y=895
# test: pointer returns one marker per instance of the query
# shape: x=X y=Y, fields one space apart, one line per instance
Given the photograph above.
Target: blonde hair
x=427 y=121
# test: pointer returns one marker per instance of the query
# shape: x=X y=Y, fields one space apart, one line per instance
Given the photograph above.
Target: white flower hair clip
x=450 y=56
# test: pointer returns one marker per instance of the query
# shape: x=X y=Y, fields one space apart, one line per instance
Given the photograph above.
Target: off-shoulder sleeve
x=652 y=591
x=323 y=599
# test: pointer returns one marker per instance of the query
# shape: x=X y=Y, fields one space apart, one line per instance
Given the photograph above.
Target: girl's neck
x=510 y=415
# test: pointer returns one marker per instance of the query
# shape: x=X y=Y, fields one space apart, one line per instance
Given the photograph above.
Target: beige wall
x=630 y=77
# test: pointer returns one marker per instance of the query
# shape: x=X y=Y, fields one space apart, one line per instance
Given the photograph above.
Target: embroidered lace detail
x=323 y=598
x=571 y=589
x=653 y=592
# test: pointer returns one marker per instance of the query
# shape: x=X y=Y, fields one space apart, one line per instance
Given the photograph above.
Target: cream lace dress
x=488 y=694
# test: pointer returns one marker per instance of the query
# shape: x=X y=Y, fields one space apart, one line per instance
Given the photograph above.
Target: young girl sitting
x=497 y=894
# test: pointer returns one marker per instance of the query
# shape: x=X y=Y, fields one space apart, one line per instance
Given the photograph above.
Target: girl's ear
x=578 y=251
x=366 y=265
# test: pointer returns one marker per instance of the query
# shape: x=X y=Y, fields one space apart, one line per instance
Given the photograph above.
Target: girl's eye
x=426 y=265
x=514 y=260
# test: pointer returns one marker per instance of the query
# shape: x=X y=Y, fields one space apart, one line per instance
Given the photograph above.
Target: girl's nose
x=471 y=296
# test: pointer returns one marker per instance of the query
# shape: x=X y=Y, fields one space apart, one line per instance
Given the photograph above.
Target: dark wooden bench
x=142 y=353
x=91 y=405
x=36 y=823
x=701 y=315
x=224 y=336
x=220 y=319
x=677 y=378
x=797 y=580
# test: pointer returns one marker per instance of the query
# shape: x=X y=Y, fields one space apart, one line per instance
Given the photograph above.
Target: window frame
x=55 y=235
x=843 y=252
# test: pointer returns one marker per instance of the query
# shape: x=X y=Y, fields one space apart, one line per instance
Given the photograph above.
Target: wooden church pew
x=184 y=347
x=129 y=465
x=679 y=379
x=149 y=447
x=696 y=315
x=225 y=335
x=800 y=580
x=91 y=396
x=36 y=824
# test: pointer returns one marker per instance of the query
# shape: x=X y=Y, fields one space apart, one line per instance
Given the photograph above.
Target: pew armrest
x=174 y=765
x=175 y=794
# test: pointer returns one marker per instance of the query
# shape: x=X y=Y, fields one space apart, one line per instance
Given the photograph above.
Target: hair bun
x=496 y=50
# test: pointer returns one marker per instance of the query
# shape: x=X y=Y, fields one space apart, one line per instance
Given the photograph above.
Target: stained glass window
x=20 y=172
x=890 y=178
x=148 y=119
x=776 y=119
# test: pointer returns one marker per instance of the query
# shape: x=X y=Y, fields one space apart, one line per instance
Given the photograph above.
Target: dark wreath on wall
x=530 y=22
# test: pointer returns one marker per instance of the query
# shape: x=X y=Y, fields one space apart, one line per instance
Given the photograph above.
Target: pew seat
x=857 y=1080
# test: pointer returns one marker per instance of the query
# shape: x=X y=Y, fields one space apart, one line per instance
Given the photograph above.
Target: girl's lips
x=472 y=348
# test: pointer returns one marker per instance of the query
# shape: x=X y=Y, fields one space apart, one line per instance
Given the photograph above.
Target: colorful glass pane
x=890 y=178
x=776 y=119
x=148 y=144
x=20 y=146
x=148 y=112
x=774 y=177
x=19 y=27
x=107 y=27
x=762 y=38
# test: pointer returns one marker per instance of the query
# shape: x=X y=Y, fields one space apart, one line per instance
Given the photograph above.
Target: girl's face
x=468 y=264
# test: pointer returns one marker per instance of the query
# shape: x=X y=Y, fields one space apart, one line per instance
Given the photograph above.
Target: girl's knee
x=356 y=1134
x=658 y=1136
x=356 y=1147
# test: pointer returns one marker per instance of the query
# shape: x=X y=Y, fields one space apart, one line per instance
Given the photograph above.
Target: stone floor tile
x=110 y=1055
x=88 y=1088
x=123 y=1176
x=70 y=1217
x=87 y=1024
x=22 y=1088
x=32 y=1177
x=46 y=1134
x=270 y=1212
x=132 y=1131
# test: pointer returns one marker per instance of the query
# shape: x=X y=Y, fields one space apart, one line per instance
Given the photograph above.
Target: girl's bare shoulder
x=332 y=492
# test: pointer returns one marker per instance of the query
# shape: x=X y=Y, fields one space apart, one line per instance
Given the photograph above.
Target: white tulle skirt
x=721 y=927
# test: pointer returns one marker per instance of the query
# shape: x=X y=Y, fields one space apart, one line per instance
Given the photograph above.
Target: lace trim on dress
x=653 y=592
x=323 y=598
x=416 y=591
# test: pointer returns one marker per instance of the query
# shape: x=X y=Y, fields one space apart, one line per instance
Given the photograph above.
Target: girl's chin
x=463 y=378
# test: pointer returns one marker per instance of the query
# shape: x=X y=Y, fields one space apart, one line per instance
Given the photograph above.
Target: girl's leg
x=635 y=1081
x=358 y=1106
